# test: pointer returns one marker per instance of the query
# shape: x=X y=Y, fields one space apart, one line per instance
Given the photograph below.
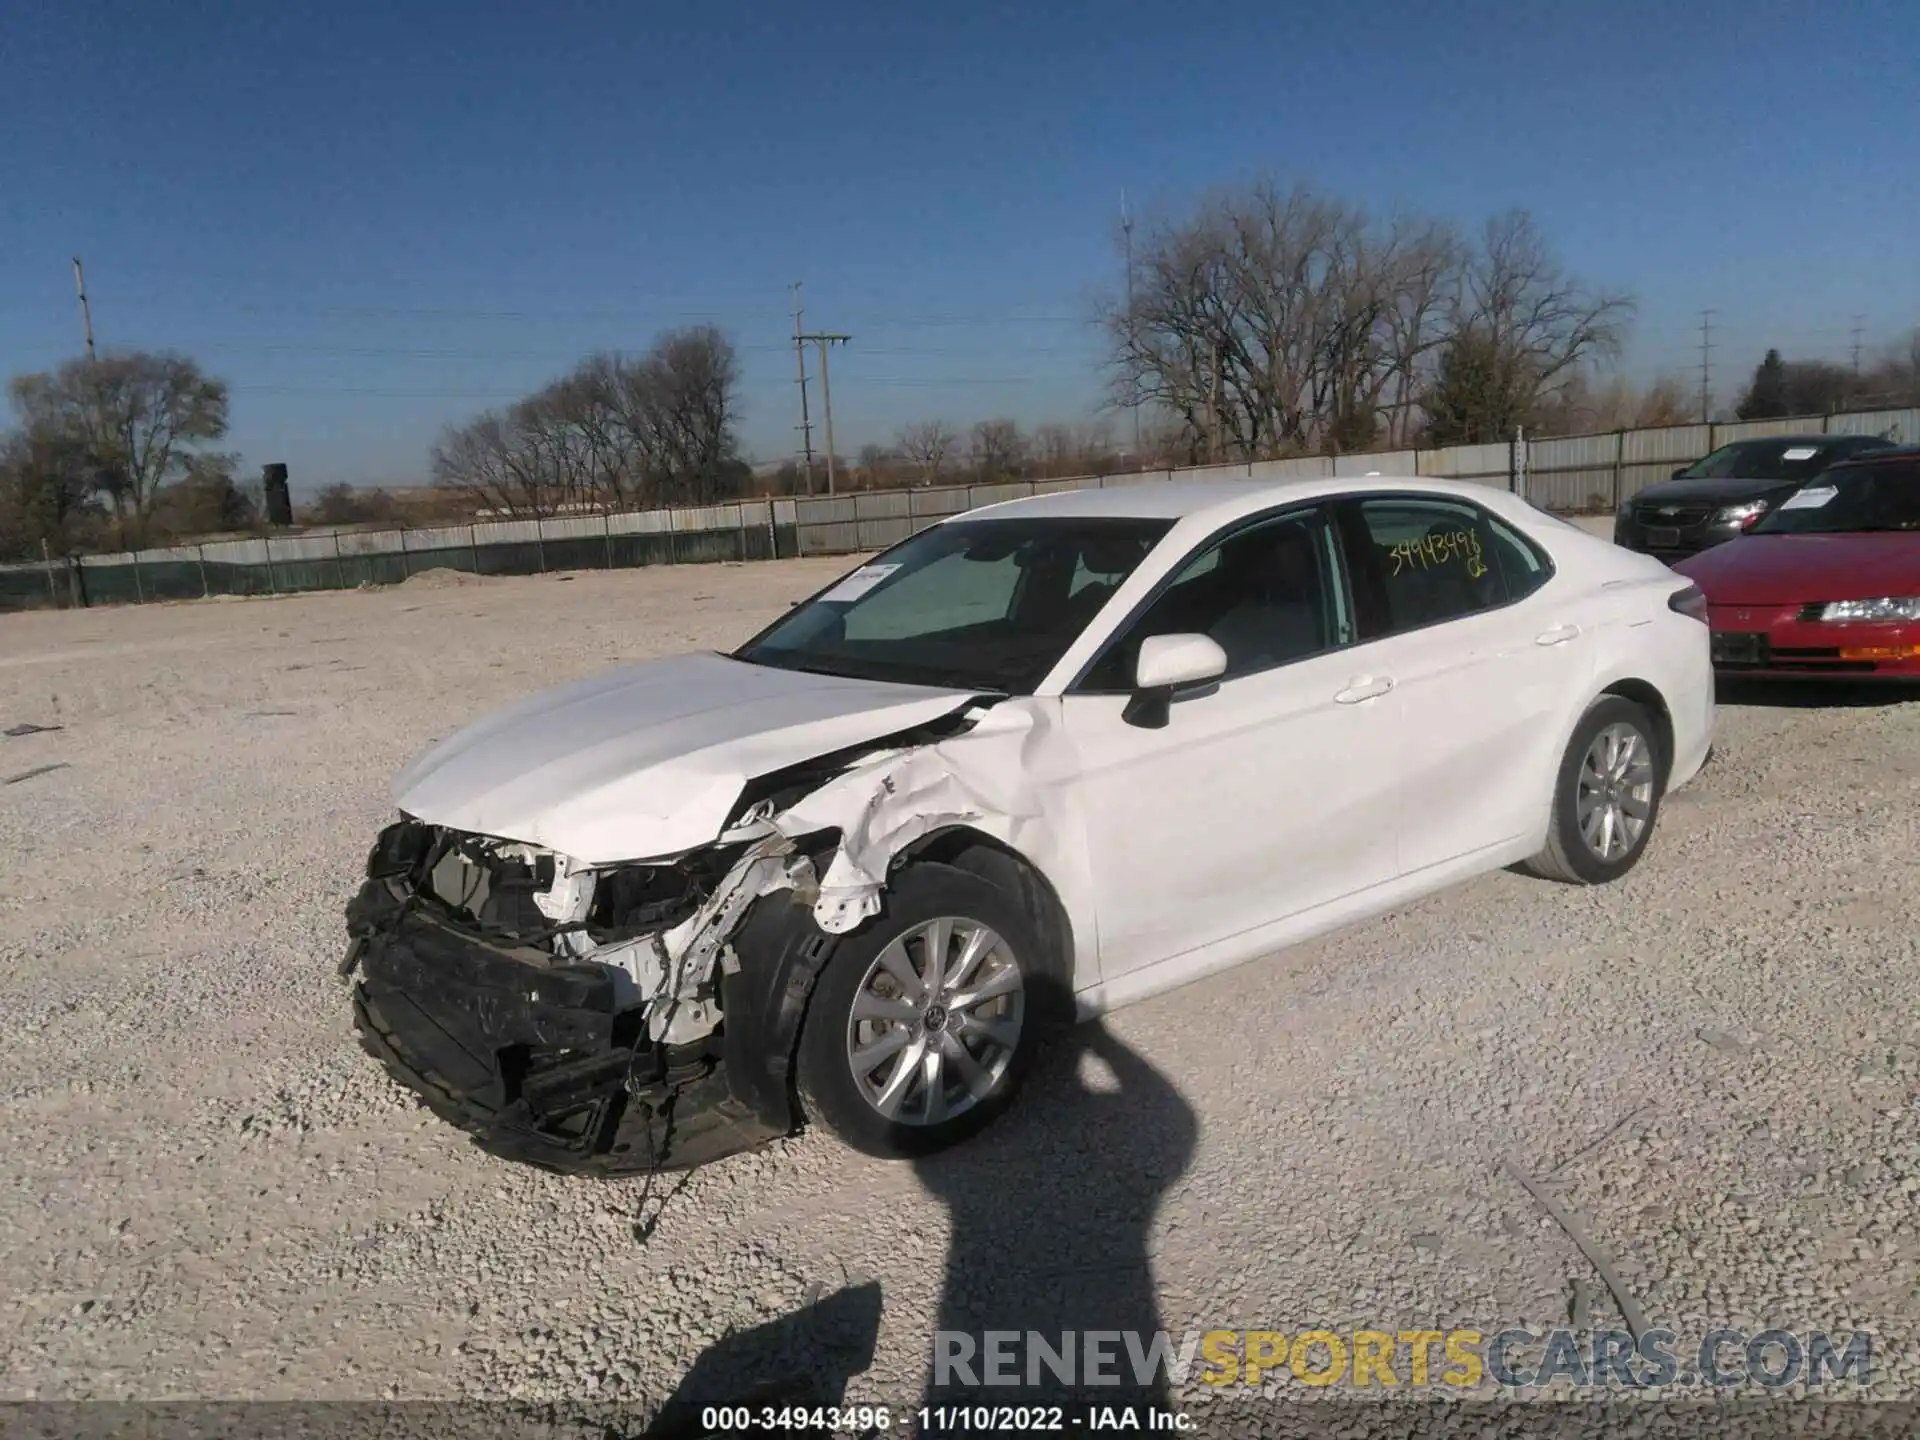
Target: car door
x=1267 y=792
x=1455 y=606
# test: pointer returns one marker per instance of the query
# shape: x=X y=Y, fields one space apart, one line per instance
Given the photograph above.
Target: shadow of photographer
x=1050 y=1213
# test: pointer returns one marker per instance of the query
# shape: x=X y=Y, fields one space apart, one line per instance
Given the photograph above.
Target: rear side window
x=1421 y=562
x=1523 y=568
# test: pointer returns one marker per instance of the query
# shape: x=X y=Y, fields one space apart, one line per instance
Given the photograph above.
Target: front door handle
x=1366 y=688
x=1559 y=635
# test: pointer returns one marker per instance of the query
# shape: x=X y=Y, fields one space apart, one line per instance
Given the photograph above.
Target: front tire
x=1606 y=796
x=926 y=1020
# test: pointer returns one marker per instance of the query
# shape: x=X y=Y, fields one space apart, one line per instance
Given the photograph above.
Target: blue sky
x=373 y=219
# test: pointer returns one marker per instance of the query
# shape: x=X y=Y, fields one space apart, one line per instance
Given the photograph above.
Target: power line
x=881 y=320
x=903 y=382
x=409 y=352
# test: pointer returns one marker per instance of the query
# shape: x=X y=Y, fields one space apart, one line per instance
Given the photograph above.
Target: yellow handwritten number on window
x=1450 y=547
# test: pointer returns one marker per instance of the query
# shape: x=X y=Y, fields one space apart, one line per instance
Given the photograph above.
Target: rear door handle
x=1559 y=635
x=1366 y=688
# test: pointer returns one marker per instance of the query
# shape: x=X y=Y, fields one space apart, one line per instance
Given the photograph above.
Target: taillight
x=1690 y=602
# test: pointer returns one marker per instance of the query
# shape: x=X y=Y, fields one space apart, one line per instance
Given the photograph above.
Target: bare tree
x=345 y=504
x=1523 y=331
x=488 y=461
x=997 y=450
x=679 y=403
x=1281 y=320
x=1274 y=321
x=880 y=467
x=47 y=486
x=927 y=445
x=615 y=431
x=1424 y=259
x=1585 y=407
x=1056 y=449
x=207 y=500
x=1546 y=323
x=136 y=415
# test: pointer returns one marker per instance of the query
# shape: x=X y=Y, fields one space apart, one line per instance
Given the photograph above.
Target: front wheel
x=1606 y=796
x=924 y=1022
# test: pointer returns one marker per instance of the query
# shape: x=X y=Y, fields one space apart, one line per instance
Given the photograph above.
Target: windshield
x=972 y=604
x=1853 y=497
x=1764 y=460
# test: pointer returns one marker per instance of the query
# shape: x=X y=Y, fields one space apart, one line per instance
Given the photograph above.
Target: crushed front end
x=621 y=1017
x=572 y=1018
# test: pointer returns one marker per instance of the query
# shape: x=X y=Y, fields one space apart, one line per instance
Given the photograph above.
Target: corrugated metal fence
x=1575 y=473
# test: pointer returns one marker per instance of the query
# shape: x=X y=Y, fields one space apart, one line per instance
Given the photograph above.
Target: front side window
x=971 y=604
x=1420 y=562
x=1266 y=594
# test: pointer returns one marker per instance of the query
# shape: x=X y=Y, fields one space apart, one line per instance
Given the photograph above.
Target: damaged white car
x=1045 y=757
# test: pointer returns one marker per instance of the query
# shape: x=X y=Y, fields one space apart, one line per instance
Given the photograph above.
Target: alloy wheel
x=1615 y=797
x=936 y=1021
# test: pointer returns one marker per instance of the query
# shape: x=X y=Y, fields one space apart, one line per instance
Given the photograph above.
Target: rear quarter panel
x=1621 y=601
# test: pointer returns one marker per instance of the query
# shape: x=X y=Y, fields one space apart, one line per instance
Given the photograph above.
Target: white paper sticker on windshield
x=1800 y=452
x=859 y=582
x=1811 y=498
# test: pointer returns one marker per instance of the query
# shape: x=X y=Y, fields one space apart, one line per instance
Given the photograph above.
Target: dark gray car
x=1717 y=498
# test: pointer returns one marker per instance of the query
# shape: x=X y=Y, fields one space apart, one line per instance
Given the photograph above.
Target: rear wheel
x=922 y=1026
x=1606 y=796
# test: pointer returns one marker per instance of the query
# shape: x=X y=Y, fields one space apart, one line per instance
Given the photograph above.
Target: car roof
x=1881 y=457
x=1209 y=499
x=1817 y=437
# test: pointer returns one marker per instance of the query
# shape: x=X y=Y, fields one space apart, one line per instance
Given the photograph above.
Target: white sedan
x=1046 y=757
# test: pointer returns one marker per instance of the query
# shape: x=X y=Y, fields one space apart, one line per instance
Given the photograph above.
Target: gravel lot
x=209 y=1191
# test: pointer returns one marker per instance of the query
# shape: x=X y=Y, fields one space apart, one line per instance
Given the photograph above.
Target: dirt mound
x=441 y=578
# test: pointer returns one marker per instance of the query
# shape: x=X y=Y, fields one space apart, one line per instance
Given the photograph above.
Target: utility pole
x=826 y=394
x=1213 y=406
x=800 y=354
x=86 y=311
x=1859 y=325
x=86 y=324
x=1133 y=384
x=1706 y=365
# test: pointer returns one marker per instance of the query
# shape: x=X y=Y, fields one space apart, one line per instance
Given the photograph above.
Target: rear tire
x=879 y=1041
x=1606 y=796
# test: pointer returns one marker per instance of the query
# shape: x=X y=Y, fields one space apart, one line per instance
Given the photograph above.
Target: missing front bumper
x=536 y=1061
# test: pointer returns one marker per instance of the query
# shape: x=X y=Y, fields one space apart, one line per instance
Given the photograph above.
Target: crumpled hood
x=648 y=760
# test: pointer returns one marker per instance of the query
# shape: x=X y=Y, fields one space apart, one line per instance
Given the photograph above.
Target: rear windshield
x=1850 y=498
x=1765 y=460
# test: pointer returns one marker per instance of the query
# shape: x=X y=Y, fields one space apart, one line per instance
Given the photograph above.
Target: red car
x=1828 y=583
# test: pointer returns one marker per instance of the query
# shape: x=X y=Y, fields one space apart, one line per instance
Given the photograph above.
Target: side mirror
x=1681 y=471
x=1168 y=663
